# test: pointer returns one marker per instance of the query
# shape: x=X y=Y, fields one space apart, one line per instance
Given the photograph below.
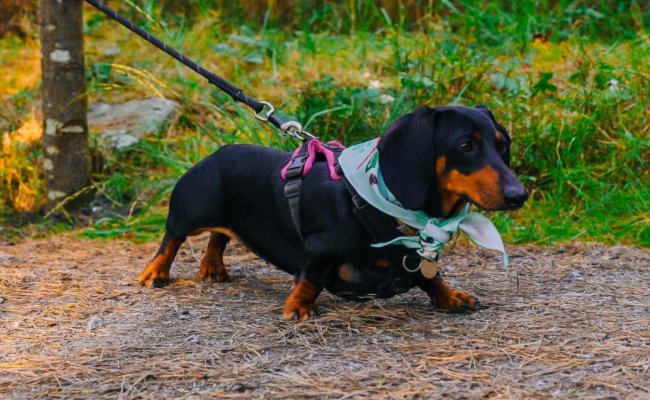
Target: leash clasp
x=291 y=128
x=294 y=129
x=268 y=113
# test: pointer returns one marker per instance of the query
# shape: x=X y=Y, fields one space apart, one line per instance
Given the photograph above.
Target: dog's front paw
x=301 y=303
x=300 y=312
x=456 y=301
x=154 y=275
x=213 y=273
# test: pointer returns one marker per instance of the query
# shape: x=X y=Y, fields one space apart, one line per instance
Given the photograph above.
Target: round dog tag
x=429 y=268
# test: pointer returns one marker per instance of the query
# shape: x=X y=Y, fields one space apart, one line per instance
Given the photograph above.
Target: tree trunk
x=65 y=141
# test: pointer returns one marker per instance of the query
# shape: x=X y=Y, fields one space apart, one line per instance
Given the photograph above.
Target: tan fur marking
x=158 y=270
x=213 y=268
x=451 y=202
x=301 y=301
x=409 y=231
x=224 y=231
x=446 y=297
x=481 y=187
x=346 y=273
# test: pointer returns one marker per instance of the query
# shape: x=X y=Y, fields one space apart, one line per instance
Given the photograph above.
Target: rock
x=94 y=323
x=112 y=51
x=574 y=275
x=9 y=259
x=123 y=125
x=354 y=365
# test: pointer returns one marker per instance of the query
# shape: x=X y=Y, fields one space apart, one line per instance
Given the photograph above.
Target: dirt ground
x=571 y=321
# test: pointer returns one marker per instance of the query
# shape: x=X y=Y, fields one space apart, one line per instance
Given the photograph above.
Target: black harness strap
x=294 y=175
x=294 y=185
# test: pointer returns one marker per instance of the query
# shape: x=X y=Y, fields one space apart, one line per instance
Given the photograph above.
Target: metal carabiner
x=291 y=128
x=294 y=129
x=268 y=113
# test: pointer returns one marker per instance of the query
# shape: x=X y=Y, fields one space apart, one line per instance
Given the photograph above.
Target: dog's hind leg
x=156 y=274
x=212 y=267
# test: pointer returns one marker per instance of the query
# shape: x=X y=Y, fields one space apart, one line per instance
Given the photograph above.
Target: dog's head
x=437 y=159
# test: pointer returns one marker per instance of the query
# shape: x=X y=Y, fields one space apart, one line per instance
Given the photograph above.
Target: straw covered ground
x=571 y=321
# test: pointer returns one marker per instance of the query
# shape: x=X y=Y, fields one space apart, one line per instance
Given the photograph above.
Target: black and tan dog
x=433 y=159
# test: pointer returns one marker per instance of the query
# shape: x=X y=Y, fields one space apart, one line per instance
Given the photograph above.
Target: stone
x=94 y=323
x=574 y=275
x=113 y=51
x=448 y=268
x=123 y=125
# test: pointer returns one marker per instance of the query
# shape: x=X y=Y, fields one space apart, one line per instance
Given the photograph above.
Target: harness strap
x=292 y=188
x=301 y=162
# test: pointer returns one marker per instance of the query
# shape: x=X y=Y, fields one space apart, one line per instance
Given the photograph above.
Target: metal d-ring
x=411 y=270
x=268 y=113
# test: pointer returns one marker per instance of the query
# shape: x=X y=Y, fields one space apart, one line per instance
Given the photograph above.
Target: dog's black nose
x=515 y=196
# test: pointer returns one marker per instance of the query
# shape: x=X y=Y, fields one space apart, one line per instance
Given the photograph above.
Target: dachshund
x=433 y=159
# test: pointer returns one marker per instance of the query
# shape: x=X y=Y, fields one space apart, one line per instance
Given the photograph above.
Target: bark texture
x=67 y=160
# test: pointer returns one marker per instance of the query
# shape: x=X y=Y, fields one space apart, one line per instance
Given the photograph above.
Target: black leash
x=291 y=128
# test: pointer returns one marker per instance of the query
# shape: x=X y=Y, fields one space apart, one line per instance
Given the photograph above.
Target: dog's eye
x=466 y=147
x=501 y=148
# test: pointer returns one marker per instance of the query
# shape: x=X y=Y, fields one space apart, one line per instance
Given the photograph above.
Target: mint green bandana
x=360 y=165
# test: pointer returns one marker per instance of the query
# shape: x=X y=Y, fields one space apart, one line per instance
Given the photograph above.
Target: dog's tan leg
x=301 y=303
x=156 y=274
x=212 y=267
x=445 y=297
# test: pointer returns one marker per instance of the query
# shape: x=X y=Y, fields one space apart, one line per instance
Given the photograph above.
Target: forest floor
x=569 y=321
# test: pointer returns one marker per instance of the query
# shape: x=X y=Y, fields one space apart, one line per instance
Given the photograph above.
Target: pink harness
x=314 y=147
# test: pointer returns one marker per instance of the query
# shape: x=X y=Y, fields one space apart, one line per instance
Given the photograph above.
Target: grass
x=568 y=79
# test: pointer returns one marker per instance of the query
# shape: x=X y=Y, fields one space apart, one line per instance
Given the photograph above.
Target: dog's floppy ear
x=407 y=159
x=506 y=155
